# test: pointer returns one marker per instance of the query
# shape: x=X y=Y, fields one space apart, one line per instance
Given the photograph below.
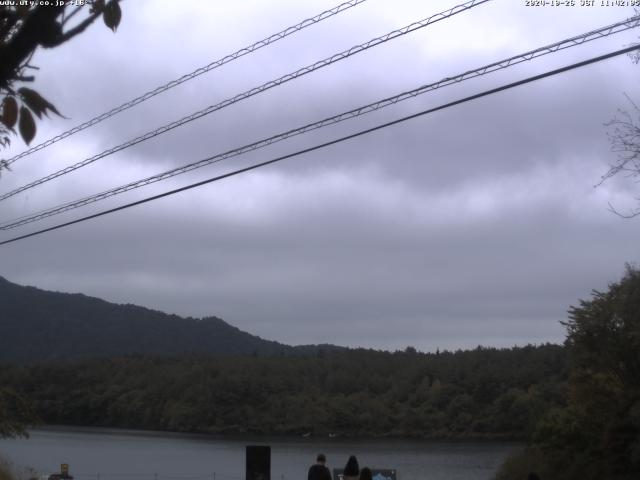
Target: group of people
x=352 y=471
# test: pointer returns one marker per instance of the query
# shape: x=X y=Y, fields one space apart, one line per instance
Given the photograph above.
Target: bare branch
x=35 y=30
x=633 y=213
x=71 y=15
x=81 y=27
x=624 y=136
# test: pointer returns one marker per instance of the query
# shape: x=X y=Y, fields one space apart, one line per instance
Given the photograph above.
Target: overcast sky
x=479 y=224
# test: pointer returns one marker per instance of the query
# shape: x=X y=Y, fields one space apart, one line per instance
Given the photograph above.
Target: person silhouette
x=319 y=471
x=366 y=474
x=351 y=469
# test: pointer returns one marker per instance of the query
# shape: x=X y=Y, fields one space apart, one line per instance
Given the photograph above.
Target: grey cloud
x=475 y=225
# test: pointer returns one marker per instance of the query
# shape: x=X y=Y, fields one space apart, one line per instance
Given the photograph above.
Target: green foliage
x=112 y=15
x=601 y=428
x=524 y=462
x=25 y=26
x=9 y=112
x=604 y=333
x=32 y=103
x=26 y=125
x=5 y=472
x=597 y=434
x=8 y=471
x=16 y=413
x=351 y=393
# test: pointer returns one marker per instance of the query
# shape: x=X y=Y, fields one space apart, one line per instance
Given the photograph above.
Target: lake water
x=101 y=454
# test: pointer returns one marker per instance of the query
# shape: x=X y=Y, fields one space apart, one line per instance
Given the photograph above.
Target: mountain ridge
x=41 y=325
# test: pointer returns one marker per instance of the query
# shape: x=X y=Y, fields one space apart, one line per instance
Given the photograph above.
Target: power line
x=207 y=68
x=331 y=142
x=502 y=64
x=254 y=91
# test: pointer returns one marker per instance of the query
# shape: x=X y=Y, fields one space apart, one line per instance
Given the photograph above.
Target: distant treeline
x=486 y=392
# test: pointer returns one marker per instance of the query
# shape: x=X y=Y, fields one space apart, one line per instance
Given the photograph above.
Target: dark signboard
x=258 y=462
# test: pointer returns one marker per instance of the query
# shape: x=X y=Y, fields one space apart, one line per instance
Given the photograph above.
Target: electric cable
x=254 y=91
x=189 y=76
x=469 y=74
x=331 y=142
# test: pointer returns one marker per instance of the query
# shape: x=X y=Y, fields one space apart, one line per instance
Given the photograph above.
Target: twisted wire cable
x=189 y=76
x=633 y=48
x=254 y=91
x=371 y=107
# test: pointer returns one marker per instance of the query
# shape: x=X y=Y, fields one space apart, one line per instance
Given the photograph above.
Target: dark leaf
x=97 y=6
x=26 y=125
x=112 y=15
x=9 y=111
x=36 y=102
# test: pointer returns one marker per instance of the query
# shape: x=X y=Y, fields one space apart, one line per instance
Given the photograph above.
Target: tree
x=624 y=136
x=24 y=28
x=16 y=414
x=597 y=435
x=603 y=334
x=604 y=342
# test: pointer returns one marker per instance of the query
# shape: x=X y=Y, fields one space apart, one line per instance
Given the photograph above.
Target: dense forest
x=486 y=393
x=577 y=405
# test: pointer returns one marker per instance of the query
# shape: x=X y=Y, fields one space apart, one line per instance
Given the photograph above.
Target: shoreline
x=284 y=438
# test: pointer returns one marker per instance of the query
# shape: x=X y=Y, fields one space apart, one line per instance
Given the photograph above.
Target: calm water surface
x=100 y=454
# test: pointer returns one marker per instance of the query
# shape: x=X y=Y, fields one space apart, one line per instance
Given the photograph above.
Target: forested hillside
x=478 y=393
x=38 y=325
